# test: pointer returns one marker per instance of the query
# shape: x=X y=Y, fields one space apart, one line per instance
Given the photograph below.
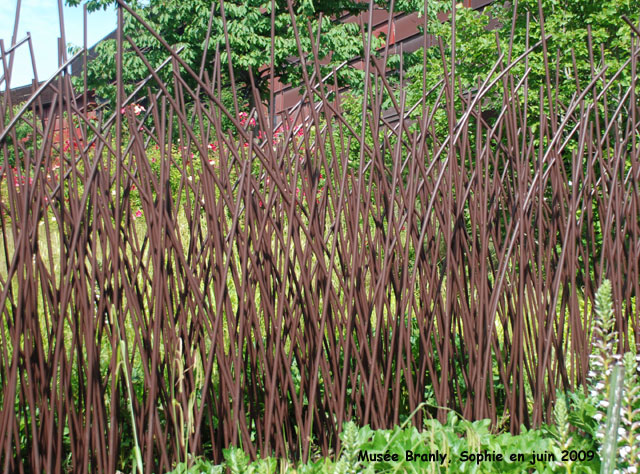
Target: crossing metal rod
x=191 y=277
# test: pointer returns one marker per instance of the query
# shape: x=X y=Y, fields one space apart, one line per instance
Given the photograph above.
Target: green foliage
x=629 y=438
x=249 y=33
x=482 y=36
x=200 y=466
x=352 y=439
x=457 y=443
x=24 y=135
x=604 y=331
x=615 y=389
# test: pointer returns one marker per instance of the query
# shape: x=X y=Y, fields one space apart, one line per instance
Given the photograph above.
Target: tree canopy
x=481 y=36
x=248 y=24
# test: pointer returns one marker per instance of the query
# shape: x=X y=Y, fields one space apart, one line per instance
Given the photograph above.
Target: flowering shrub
x=136 y=108
x=604 y=361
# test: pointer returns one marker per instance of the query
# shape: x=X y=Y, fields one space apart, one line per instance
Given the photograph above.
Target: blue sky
x=40 y=17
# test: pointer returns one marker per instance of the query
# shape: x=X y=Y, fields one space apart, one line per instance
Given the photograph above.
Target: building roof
x=77 y=65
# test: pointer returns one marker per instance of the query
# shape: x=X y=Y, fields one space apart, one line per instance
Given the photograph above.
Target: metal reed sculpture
x=204 y=287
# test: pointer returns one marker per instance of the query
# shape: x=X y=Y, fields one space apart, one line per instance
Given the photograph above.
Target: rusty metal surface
x=276 y=290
